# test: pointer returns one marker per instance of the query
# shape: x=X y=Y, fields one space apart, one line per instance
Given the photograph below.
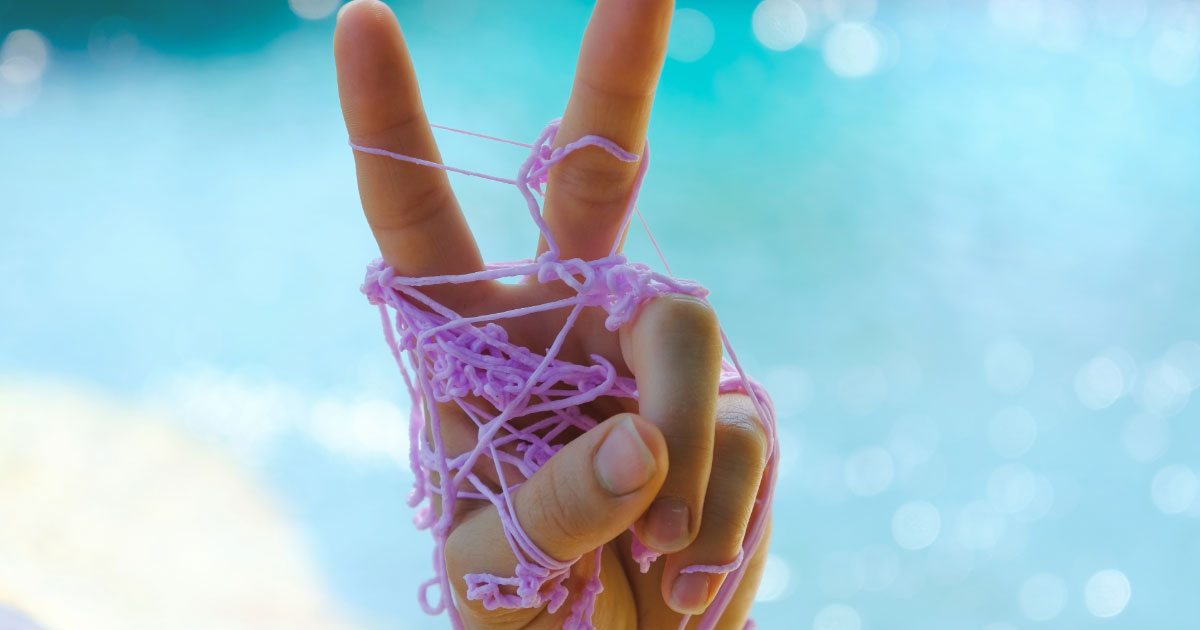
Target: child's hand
x=695 y=509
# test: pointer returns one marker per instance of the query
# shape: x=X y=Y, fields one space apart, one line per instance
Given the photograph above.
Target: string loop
x=449 y=359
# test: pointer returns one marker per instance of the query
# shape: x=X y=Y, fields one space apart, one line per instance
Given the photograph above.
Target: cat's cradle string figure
x=523 y=402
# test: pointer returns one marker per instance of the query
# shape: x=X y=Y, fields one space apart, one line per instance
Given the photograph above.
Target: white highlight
x=692 y=36
x=775 y=578
x=1164 y=389
x=1042 y=502
x=1174 y=489
x=1012 y=488
x=837 y=617
x=139 y=525
x=1107 y=593
x=916 y=525
x=1185 y=357
x=779 y=24
x=313 y=9
x=23 y=57
x=1099 y=383
x=849 y=10
x=1016 y=17
x=979 y=526
x=853 y=50
x=1175 y=57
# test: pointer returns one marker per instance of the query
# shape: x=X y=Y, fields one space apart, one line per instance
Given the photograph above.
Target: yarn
x=447 y=358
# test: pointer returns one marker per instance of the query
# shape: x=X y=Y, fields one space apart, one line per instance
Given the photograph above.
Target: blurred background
x=957 y=240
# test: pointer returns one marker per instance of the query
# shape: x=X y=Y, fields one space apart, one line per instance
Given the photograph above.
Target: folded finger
x=739 y=458
x=585 y=496
x=673 y=348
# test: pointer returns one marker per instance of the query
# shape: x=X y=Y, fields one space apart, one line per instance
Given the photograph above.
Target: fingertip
x=356 y=10
x=668 y=525
x=361 y=25
x=691 y=593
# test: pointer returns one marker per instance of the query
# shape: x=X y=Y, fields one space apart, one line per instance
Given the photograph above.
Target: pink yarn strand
x=461 y=360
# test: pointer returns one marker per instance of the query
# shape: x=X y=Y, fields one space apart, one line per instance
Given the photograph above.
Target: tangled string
x=469 y=362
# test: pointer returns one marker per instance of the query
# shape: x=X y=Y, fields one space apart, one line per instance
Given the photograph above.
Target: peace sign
x=683 y=466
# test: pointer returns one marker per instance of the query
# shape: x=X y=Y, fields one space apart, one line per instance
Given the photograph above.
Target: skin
x=702 y=451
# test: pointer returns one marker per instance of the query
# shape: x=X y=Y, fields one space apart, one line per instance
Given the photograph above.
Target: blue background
x=994 y=229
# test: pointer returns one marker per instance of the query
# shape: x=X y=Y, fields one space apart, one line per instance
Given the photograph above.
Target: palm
x=421 y=231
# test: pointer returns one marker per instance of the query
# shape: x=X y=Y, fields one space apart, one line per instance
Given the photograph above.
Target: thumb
x=586 y=495
x=594 y=488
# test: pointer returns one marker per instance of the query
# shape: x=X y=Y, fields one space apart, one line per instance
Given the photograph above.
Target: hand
x=684 y=469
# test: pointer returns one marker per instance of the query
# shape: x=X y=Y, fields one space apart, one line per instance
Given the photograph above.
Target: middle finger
x=618 y=68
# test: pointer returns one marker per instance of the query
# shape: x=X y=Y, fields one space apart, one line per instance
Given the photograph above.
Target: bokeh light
x=1107 y=593
x=1042 y=597
x=869 y=471
x=1163 y=389
x=1099 y=383
x=1018 y=17
x=314 y=9
x=853 y=50
x=23 y=57
x=1012 y=488
x=1175 y=56
x=849 y=10
x=916 y=525
x=1174 y=489
x=985 y=378
x=776 y=577
x=112 y=42
x=979 y=526
x=779 y=24
x=837 y=617
x=692 y=36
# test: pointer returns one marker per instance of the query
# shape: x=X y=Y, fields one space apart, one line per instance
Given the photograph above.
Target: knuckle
x=591 y=184
x=420 y=207
x=392 y=130
x=696 y=445
x=740 y=437
x=552 y=508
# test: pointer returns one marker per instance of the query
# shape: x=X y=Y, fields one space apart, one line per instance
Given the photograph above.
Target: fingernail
x=623 y=463
x=689 y=594
x=667 y=524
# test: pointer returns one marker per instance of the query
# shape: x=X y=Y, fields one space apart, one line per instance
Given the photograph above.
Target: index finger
x=615 y=78
x=410 y=208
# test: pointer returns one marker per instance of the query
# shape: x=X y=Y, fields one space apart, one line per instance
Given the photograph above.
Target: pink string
x=459 y=359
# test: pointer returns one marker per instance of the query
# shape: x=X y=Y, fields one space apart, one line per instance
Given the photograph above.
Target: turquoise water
x=968 y=278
